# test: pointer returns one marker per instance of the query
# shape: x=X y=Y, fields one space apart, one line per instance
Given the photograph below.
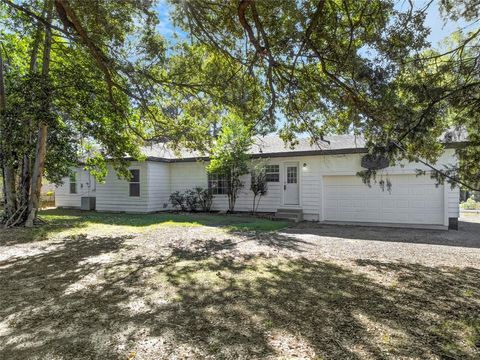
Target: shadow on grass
x=234 y=222
x=58 y=220
x=103 y=298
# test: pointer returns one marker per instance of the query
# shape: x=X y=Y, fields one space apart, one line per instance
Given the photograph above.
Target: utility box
x=88 y=203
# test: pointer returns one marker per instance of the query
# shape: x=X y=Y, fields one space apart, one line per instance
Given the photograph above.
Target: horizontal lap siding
x=113 y=194
x=63 y=198
x=412 y=199
x=158 y=186
x=187 y=175
x=453 y=200
x=310 y=193
x=268 y=203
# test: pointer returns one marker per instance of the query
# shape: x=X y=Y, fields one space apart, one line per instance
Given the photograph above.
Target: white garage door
x=412 y=200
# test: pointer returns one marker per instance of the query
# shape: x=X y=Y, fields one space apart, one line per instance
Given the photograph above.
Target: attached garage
x=412 y=200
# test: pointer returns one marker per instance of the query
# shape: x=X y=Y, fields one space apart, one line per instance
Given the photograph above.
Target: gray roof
x=273 y=146
x=269 y=145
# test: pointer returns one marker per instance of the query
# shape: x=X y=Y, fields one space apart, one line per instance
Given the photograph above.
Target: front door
x=290 y=185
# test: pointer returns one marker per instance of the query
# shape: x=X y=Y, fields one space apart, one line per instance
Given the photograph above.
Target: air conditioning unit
x=88 y=203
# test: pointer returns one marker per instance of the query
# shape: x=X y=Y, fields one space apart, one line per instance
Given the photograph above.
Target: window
x=73 y=183
x=135 y=183
x=272 y=173
x=217 y=184
x=291 y=174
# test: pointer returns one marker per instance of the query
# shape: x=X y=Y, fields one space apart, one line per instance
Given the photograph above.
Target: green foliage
x=192 y=199
x=355 y=66
x=178 y=201
x=205 y=198
x=258 y=182
x=230 y=157
x=470 y=204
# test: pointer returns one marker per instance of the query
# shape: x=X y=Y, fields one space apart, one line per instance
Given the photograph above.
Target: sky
x=439 y=28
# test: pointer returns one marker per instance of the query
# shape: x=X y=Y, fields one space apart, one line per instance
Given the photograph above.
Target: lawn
x=71 y=222
x=116 y=286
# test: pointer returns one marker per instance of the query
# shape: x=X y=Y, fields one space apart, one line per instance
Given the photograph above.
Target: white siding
x=158 y=186
x=453 y=200
x=411 y=200
x=187 y=175
x=159 y=180
x=113 y=194
x=85 y=187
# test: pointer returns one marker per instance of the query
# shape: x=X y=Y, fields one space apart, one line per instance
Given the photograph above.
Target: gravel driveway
x=428 y=247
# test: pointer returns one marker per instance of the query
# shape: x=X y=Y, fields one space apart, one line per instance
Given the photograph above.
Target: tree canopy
x=360 y=66
x=91 y=81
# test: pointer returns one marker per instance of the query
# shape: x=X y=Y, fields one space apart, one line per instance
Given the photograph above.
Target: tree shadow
x=468 y=234
x=104 y=298
x=59 y=220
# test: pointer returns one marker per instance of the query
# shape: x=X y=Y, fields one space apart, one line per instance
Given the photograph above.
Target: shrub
x=177 y=199
x=470 y=204
x=258 y=184
x=205 y=198
x=191 y=199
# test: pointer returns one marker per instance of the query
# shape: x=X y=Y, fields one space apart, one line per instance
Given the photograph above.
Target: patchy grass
x=72 y=222
x=115 y=286
x=229 y=222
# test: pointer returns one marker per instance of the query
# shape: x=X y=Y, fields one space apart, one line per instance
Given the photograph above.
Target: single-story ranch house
x=319 y=183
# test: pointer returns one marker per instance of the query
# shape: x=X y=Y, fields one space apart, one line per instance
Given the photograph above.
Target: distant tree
x=229 y=156
x=258 y=184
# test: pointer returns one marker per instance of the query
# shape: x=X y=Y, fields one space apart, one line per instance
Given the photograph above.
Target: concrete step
x=290 y=214
x=290 y=210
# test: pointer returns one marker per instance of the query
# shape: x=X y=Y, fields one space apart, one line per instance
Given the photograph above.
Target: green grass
x=73 y=218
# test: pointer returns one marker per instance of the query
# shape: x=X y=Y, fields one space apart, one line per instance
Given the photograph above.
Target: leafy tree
x=229 y=157
x=258 y=184
x=357 y=66
x=110 y=88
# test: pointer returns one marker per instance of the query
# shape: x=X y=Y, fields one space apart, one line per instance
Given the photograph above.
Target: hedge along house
x=320 y=184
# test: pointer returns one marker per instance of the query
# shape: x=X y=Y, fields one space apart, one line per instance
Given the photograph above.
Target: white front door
x=290 y=186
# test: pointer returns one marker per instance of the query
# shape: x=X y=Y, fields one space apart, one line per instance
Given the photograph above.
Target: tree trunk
x=8 y=169
x=27 y=161
x=41 y=148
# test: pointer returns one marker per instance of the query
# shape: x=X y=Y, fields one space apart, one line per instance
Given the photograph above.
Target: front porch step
x=290 y=214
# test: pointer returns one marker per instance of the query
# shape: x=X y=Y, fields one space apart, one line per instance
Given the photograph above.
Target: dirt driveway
x=429 y=247
x=111 y=291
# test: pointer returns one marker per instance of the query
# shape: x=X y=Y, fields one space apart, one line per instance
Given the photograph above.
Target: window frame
x=72 y=179
x=275 y=173
x=132 y=182
x=216 y=189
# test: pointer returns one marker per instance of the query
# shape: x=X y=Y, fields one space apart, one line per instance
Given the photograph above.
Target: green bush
x=177 y=199
x=191 y=199
x=470 y=204
x=205 y=198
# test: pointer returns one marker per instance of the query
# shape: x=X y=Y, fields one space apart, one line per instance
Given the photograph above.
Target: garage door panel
x=412 y=199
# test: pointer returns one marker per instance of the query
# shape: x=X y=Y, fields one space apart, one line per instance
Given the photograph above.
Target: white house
x=320 y=182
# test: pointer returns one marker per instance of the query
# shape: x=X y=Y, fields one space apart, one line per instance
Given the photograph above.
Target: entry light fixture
x=304 y=165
